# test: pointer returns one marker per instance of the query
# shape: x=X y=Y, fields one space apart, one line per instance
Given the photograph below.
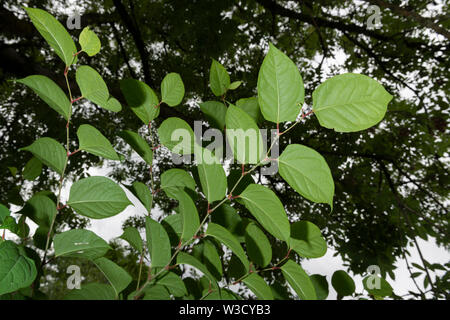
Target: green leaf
x=184 y=258
x=92 y=291
x=156 y=292
x=50 y=152
x=377 y=286
x=13 y=171
x=207 y=253
x=321 y=285
x=258 y=246
x=141 y=99
x=138 y=144
x=219 y=80
x=4 y=212
x=299 y=280
x=118 y=277
x=234 y=177
x=225 y=237
x=212 y=175
x=174 y=227
x=157 y=242
x=80 y=243
x=342 y=283
x=258 y=286
x=40 y=209
x=16 y=269
x=268 y=210
x=50 y=92
x=307 y=240
x=32 y=169
x=54 y=33
x=234 y=85
x=307 y=172
x=9 y=224
x=93 y=88
x=174 y=178
x=97 y=198
x=172 y=130
x=350 y=102
x=143 y=193
x=250 y=105
x=172 y=89
x=132 y=236
x=173 y=283
x=280 y=87
x=191 y=220
x=89 y=42
x=93 y=141
x=244 y=136
x=215 y=113
x=227 y=217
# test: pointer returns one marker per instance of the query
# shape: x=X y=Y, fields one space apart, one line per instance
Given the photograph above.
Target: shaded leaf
x=50 y=152
x=299 y=280
x=93 y=141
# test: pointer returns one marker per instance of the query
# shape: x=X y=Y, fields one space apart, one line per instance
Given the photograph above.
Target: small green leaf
x=280 y=87
x=143 y=193
x=117 y=277
x=173 y=283
x=4 y=212
x=188 y=210
x=132 y=236
x=93 y=141
x=174 y=178
x=307 y=240
x=212 y=175
x=307 y=172
x=225 y=237
x=172 y=130
x=9 y=224
x=342 y=283
x=97 y=198
x=92 y=291
x=244 y=136
x=377 y=286
x=50 y=92
x=80 y=243
x=268 y=210
x=299 y=280
x=184 y=258
x=40 y=209
x=258 y=246
x=89 y=42
x=215 y=113
x=172 y=89
x=250 y=105
x=321 y=285
x=157 y=242
x=138 y=144
x=50 y=152
x=258 y=286
x=16 y=269
x=234 y=85
x=54 y=33
x=141 y=99
x=32 y=169
x=350 y=102
x=219 y=80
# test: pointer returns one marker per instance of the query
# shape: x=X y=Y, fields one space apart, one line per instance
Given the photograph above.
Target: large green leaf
x=172 y=89
x=174 y=284
x=174 y=226
x=118 y=277
x=212 y=175
x=227 y=217
x=92 y=291
x=188 y=210
x=350 y=102
x=225 y=237
x=377 y=286
x=89 y=42
x=132 y=236
x=299 y=280
x=258 y=286
x=143 y=193
x=50 y=152
x=50 y=92
x=177 y=135
x=141 y=99
x=32 y=169
x=243 y=136
x=174 y=178
x=80 y=243
x=97 y=197
x=307 y=240
x=138 y=144
x=251 y=106
x=93 y=88
x=265 y=206
x=207 y=253
x=215 y=113
x=343 y=283
x=157 y=242
x=41 y=209
x=258 y=246
x=280 y=87
x=93 y=141
x=219 y=80
x=184 y=258
x=156 y=292
x=321 y=286
x=307 y=172
x=54 y=33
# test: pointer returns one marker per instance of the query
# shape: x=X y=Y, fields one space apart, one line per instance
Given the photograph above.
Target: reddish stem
x=75 y=100
x=72 y=153
x=304 y=115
